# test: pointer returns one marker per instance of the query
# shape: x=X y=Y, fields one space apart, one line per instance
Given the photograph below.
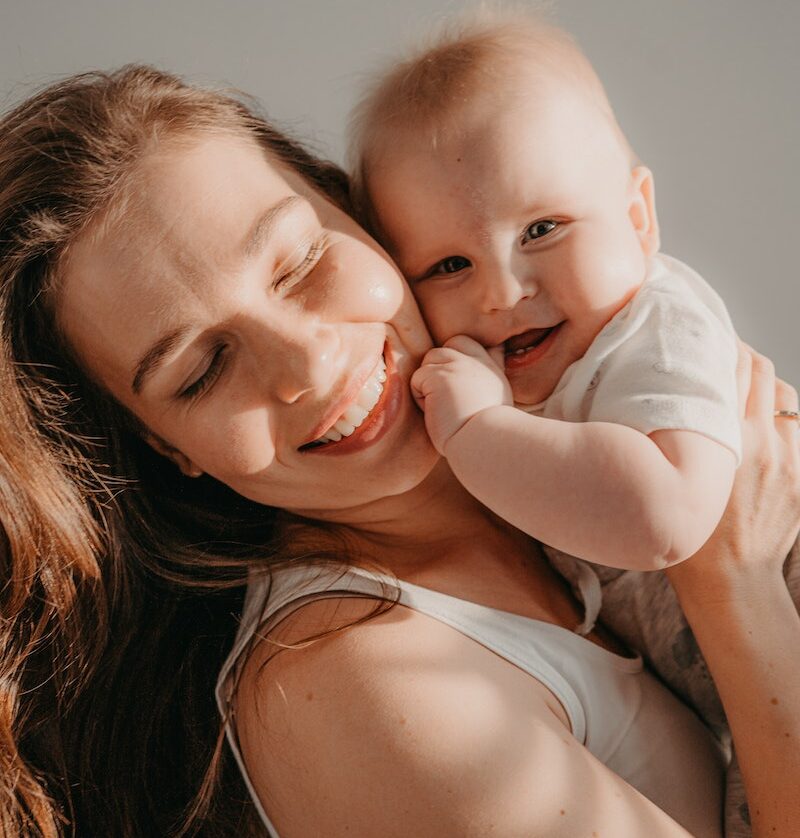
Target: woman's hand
x=762 y=518
x=738 y=605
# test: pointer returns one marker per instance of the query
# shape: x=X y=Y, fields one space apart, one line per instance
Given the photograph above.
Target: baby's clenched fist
x=454 y=383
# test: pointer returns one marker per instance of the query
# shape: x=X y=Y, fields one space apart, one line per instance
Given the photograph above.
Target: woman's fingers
x=788 y=427
x=785 y=396
x=744 y=367
x=761 y=399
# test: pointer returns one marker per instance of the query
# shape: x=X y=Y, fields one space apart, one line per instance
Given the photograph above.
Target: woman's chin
x=397 y=461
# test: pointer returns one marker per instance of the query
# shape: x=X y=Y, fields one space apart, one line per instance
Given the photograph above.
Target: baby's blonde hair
x=467 y=56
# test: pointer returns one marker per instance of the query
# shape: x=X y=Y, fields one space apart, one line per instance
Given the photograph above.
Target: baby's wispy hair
x=464 y=56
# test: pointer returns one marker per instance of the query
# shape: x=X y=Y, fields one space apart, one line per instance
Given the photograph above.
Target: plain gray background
x=706 y=90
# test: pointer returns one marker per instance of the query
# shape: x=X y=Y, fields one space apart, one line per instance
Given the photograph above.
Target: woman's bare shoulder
x=401 y=725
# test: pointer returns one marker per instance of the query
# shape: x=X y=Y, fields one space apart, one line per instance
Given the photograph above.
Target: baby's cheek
x=442 y=313
x=606 y=276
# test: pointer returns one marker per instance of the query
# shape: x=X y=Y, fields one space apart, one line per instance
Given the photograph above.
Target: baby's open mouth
x=520 y=344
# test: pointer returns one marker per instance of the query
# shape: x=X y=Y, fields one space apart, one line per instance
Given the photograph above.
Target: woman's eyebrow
x=151 y=359
x=260 y=232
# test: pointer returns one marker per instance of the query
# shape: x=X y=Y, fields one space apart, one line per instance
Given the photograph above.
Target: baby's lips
x=527 y=339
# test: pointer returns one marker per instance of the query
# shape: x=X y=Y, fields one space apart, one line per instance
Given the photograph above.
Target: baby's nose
x=504 y=288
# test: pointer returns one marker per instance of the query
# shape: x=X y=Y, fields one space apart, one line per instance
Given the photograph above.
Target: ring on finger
x=788 y=414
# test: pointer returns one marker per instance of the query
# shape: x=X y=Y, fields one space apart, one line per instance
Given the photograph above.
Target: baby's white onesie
x=666 y=361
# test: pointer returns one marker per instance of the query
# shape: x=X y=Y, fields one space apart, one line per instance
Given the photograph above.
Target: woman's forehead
x=216 y=180
x=194 y=208
x=191 y=210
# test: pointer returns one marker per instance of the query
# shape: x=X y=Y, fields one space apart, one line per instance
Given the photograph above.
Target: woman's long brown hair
x=121 y=578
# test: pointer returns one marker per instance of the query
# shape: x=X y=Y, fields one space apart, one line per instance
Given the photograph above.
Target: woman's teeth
x=354 y=415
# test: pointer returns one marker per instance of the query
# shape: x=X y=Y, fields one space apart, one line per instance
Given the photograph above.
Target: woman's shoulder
x=398 y=682
x=400 y=724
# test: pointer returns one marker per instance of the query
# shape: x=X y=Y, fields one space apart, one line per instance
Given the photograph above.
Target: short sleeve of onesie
x=666 y=361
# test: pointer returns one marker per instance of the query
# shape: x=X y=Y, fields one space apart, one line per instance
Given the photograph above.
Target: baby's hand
x=455 y=382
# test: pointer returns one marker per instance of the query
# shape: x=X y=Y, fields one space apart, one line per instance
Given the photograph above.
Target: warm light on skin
x=295 y=320
x=508 y=160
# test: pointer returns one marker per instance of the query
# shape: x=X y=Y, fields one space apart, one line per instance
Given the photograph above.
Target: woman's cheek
x=236 y=446
x=386 y=296
x=368 y=284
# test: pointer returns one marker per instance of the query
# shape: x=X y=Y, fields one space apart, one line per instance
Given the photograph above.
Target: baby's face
x=525 y=228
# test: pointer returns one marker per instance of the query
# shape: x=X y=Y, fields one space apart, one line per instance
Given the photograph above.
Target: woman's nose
x=302 y=358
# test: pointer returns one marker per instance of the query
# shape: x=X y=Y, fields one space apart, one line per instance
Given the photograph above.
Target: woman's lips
x=378 y=421
x=530 y=354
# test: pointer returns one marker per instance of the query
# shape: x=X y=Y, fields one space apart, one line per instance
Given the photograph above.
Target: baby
x=584 y=386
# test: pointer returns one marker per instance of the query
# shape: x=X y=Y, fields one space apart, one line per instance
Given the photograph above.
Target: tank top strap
x=272 y=597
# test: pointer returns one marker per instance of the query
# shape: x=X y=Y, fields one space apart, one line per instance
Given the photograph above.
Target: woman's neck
x=438 y=536
x=413 y=533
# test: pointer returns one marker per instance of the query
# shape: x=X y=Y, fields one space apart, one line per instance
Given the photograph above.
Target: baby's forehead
x=533 y=89
x=527 y=118
x=448 y=100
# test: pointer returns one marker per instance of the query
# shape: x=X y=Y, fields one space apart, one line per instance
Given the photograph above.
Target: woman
x=183 y=315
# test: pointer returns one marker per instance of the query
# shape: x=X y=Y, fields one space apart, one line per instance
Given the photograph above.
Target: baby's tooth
x=344 y=428
x=332 y=435
x=355 y=415
x=374 y=385
x=381 y=376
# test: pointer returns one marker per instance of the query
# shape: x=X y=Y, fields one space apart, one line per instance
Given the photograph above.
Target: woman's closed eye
x=210 y=371
x=214 y=364
x=304 y=262
x=539 y=229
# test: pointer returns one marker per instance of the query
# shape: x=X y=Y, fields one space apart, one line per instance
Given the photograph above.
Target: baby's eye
x=538 y=229
x=450 y=265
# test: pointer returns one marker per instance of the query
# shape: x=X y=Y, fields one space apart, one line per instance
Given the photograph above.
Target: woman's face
x=240 y=315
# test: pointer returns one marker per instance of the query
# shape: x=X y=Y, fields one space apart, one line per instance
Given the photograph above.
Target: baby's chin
x=531 y=394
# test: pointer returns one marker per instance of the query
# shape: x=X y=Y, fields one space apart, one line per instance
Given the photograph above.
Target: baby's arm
x=598 y=490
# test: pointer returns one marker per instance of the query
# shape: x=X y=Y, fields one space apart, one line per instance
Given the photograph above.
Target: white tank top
x=618 y=710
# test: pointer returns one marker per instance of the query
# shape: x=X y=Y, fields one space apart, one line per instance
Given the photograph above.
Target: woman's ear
x=186 y=466
x=642 y=210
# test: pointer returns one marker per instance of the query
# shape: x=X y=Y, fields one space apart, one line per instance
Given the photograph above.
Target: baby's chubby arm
x=601 y=491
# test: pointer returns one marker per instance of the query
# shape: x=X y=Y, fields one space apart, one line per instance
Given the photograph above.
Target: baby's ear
x=642 y=210
x=180 y=459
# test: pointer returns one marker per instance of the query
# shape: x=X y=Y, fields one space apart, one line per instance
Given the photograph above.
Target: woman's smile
x=367 y=418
